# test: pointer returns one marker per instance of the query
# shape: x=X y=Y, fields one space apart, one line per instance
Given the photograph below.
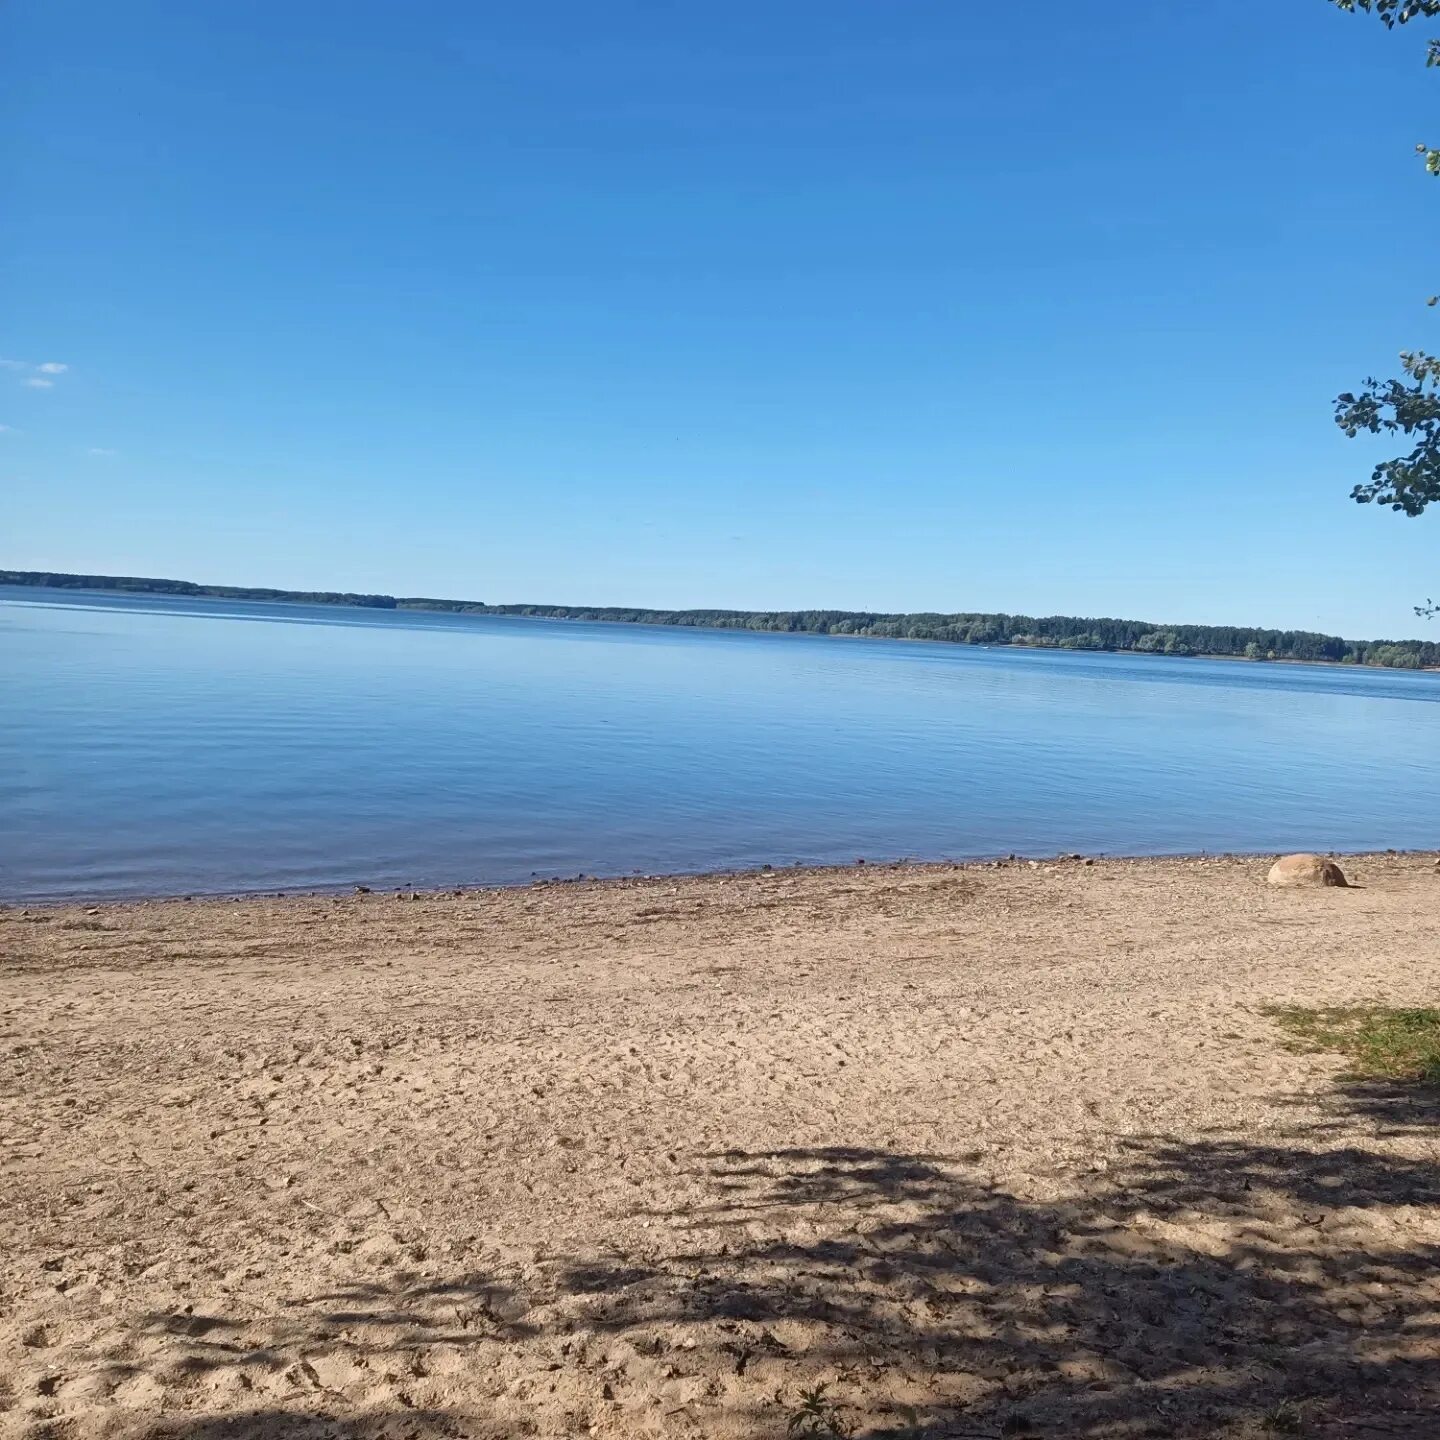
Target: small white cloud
x=6 y=429
x=101 y=450
x=37 y=377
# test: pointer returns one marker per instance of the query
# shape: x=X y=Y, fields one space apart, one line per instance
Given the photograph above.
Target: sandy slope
x=985 y=1149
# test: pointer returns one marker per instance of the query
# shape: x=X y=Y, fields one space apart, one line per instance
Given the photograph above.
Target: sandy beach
x=984 y=1150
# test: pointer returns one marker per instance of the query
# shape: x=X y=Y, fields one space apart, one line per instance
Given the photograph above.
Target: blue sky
x=902 y=306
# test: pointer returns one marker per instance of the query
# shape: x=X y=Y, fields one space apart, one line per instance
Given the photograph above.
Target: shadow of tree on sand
x=283 y=1424
x=410 y=1316
x=349 y=1363
x=1230 y=1287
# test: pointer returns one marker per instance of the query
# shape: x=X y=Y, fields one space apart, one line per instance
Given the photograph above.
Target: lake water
x=152 y=747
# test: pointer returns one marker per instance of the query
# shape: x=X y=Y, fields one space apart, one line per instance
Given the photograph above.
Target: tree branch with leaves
x=1411 y=406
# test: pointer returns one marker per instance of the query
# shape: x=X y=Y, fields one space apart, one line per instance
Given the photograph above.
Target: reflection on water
x=178 y=746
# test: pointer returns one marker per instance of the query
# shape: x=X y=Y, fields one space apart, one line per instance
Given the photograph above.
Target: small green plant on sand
x=1384 y=1043
x=818 y=1416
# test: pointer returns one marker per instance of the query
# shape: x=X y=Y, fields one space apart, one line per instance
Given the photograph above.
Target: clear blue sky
x=873 y=305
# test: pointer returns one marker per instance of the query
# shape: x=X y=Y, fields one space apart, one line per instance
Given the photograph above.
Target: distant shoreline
x=1096 y=635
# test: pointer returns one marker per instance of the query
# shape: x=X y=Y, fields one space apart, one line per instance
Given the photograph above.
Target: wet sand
x=985 y=1150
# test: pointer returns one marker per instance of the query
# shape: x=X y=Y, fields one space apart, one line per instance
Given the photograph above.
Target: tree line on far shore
x=1051 y=632
x=143 y=585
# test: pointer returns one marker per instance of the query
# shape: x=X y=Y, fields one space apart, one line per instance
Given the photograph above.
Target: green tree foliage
x=1408 y=407
x=1048 y=632
x=144 y=585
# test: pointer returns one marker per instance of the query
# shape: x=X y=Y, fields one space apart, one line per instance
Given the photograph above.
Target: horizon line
x=279 y=594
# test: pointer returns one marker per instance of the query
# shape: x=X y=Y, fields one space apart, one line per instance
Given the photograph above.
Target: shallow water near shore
x=156 y=746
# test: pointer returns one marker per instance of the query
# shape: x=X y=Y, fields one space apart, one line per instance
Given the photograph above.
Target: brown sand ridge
x=988 y=1151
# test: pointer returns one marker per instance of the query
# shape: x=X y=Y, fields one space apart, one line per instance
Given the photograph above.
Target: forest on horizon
x=1052 y=632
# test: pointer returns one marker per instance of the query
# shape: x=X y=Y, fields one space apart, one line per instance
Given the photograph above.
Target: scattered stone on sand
x=1306 y=870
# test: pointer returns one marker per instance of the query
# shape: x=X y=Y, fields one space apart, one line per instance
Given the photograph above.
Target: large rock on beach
x=1306 y=870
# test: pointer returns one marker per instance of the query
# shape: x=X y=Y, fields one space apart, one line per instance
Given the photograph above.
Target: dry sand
x=988 y=1151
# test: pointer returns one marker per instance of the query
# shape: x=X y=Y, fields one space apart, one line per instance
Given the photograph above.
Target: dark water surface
x=157 y=746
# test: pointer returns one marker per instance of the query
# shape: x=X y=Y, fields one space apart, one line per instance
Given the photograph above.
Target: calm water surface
x=177 y=746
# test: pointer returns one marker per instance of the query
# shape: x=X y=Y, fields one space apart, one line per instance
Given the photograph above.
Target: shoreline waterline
x=360 y=889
